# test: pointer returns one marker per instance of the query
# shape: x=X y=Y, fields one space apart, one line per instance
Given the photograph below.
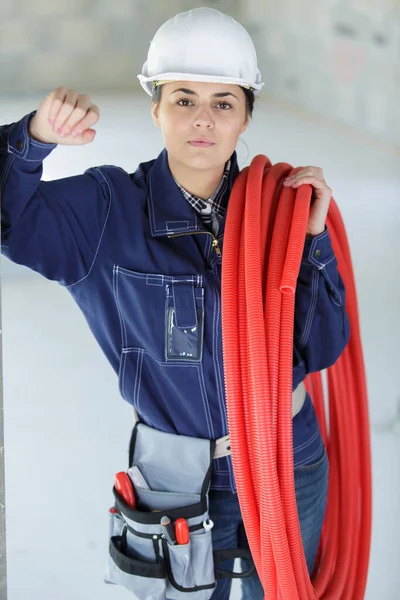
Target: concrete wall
x=339 y=58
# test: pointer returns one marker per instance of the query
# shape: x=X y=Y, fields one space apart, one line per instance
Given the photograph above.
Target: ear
x=245 y=125
x=154 y=114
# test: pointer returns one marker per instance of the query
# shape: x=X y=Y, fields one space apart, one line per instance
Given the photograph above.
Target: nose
x=204 y=119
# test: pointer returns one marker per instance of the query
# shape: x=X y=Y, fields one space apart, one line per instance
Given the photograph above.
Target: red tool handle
x=182 y=533
x=124 y=486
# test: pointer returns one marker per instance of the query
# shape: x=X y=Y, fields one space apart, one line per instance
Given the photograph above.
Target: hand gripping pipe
x=263 y=245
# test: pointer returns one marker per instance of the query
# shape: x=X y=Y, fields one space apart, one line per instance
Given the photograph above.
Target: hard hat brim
x=147 y=82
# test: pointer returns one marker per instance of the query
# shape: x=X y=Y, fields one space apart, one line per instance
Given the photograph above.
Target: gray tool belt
x=177 y=470
x=222 y=444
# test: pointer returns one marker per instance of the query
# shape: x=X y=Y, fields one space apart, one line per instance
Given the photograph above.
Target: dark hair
x=250 y=98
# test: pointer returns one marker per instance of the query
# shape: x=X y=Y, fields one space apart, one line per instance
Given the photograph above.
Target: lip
x=202 y=143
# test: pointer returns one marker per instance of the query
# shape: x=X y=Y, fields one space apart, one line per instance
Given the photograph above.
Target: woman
x=124 y=246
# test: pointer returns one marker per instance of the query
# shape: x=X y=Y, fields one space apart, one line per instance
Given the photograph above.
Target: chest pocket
x=161 y=314
x=184 y=329
x=162 y=330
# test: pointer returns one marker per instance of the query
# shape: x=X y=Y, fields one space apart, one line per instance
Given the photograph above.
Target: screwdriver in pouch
x=182 y=531
x=124 y=486
x=168 y=530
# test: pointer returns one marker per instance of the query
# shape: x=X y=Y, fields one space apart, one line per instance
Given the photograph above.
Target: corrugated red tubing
x=263 y=245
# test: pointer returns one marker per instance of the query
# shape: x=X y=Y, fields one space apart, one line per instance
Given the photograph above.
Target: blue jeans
x=311 y=486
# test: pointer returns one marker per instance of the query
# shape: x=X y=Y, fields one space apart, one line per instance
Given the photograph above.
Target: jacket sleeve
x=52 y=227
x=321 y=327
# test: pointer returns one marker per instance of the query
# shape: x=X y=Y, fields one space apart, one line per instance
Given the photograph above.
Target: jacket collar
x=169 y=211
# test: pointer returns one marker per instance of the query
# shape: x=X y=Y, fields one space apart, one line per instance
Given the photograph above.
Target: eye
x=226 y=104
x=187 y=102
x=183 y=100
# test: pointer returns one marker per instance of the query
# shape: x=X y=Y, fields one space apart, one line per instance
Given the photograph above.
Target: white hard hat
x=202 y=44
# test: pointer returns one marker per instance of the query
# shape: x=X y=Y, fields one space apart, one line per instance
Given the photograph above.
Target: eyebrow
x=218 y=95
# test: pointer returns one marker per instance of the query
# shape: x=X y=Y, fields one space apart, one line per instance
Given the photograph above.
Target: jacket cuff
x=21 y=145
x=318 y=250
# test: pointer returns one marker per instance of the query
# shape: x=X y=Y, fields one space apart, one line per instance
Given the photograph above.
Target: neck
x=200 y=183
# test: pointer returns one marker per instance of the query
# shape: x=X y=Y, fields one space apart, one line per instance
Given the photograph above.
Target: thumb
x=85 y=138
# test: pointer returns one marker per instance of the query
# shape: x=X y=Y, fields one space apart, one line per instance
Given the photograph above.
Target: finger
x=296 y=171
x=316 y=170
x=59 y=95
x=66 y=109
x=317 y=183
x=309 y=171
x=291 y=181
x=306 y=173
x=80 y=111
x=88 y=121
x=297 y=176
x=85 y=138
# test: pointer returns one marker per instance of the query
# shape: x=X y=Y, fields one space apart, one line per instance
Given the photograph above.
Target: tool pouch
x=178 y=471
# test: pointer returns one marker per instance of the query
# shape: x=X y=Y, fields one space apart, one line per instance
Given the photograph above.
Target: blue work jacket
x=146 y=273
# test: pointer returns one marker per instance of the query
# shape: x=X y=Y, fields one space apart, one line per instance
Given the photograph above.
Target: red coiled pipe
x=263 y=246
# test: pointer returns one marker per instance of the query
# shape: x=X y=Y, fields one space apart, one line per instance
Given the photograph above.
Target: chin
x=202 y=159
x=200 y=163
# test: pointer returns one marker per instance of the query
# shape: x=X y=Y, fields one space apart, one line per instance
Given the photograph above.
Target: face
x=190 y=111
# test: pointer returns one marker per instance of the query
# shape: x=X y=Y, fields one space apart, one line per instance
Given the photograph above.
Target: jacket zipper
x=214 y=244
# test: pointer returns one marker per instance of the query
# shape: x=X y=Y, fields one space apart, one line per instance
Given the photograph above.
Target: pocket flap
x=185 y=304
x=167 y=460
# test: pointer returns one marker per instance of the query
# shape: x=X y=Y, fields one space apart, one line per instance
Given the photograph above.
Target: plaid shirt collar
x=217 y=201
